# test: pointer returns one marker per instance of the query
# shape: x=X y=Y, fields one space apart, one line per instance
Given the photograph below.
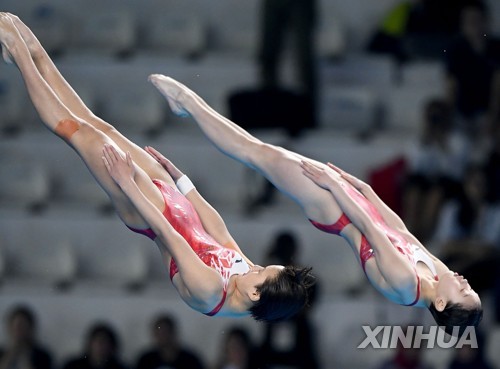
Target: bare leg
x=72 y=101
x=280 y=166
x=83 y=137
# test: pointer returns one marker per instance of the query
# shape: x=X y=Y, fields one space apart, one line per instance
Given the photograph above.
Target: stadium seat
x=37 y=254
x=374 y=71
x=354 y=109
x=24 y=181
x=73 y=185
x=49 y=23
x=405 y=106
x=134 y=108
x=423 y=73
x=10 y=103
x=234 y=27
x=2 y=264
x=331 y=36
x=110 y=255
x=104 y=33
x=174 y=35
x=491 y=350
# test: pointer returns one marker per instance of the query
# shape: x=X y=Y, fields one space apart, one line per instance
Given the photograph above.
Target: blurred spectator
x=298 y=18
x=167 y=351
x=436 y=168
x=406 y=358
x=22 y=351
x=468 y=232
x=469 y=216
x=101 y=350
x=433 y=17
x=492 y=172
x=388 y=38
x=473 y=68
x=418 y=29
x=492 y=168
x=432 y=24
x=291 y=343
x=284 y=249
x=238 y=351
x=467 y=357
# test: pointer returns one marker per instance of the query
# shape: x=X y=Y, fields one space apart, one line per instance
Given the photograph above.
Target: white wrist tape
x=185 y=185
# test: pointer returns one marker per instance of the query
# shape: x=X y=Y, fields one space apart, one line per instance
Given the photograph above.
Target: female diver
x=207 y=268
x=394 y=261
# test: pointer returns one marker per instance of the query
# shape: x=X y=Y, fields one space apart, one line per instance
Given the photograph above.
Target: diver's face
x=454 y=288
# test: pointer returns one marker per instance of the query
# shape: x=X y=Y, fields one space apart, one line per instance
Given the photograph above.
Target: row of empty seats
x=65 y=243
x=54 y=253
x=81 y=251
x=187 y=29
x=191 y=27
x=350 y=89
x=61 y=239
x=350 y=95
x=40 y=171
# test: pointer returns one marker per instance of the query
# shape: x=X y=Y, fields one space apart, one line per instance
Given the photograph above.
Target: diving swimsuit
x=411 y=251
x=181 y=214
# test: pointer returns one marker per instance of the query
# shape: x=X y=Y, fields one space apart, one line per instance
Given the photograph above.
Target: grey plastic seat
x=24 y=180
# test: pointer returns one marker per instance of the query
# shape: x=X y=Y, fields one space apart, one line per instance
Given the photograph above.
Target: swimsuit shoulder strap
x=219 y=305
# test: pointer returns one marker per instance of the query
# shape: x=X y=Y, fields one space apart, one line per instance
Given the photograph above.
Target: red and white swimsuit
x=181 y=214
x=412 y=252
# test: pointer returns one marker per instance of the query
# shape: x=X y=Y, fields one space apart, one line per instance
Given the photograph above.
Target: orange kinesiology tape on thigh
x=67 y=128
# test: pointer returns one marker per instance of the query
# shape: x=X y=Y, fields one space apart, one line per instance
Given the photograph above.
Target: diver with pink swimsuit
x=151 y=196
x=183 y=217
x=394 y=261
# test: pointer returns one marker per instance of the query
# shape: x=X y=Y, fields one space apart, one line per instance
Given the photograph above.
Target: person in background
x=417 y=29
x=394 y=261
x=238 y=351
x=206 y=266
x=436 y=165
x=167 y=350
x=406 y=358
x=473 y=74
x=298 y=18
x=467 y=357
x=389 y=36
x=22 y=350
x=492 y=170
x=468 y=232
x=292 y=343
x=101 y=350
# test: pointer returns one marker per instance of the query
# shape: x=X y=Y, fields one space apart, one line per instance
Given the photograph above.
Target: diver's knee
x=66 y=128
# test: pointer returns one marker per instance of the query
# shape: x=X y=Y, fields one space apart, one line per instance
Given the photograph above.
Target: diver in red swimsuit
x=210 y=272
x=394 y=261
x=183 y=217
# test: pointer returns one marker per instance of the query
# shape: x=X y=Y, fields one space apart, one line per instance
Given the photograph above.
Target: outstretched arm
x=392 y=265
x=390 y=217
x=200 y=280
x=210 y=218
